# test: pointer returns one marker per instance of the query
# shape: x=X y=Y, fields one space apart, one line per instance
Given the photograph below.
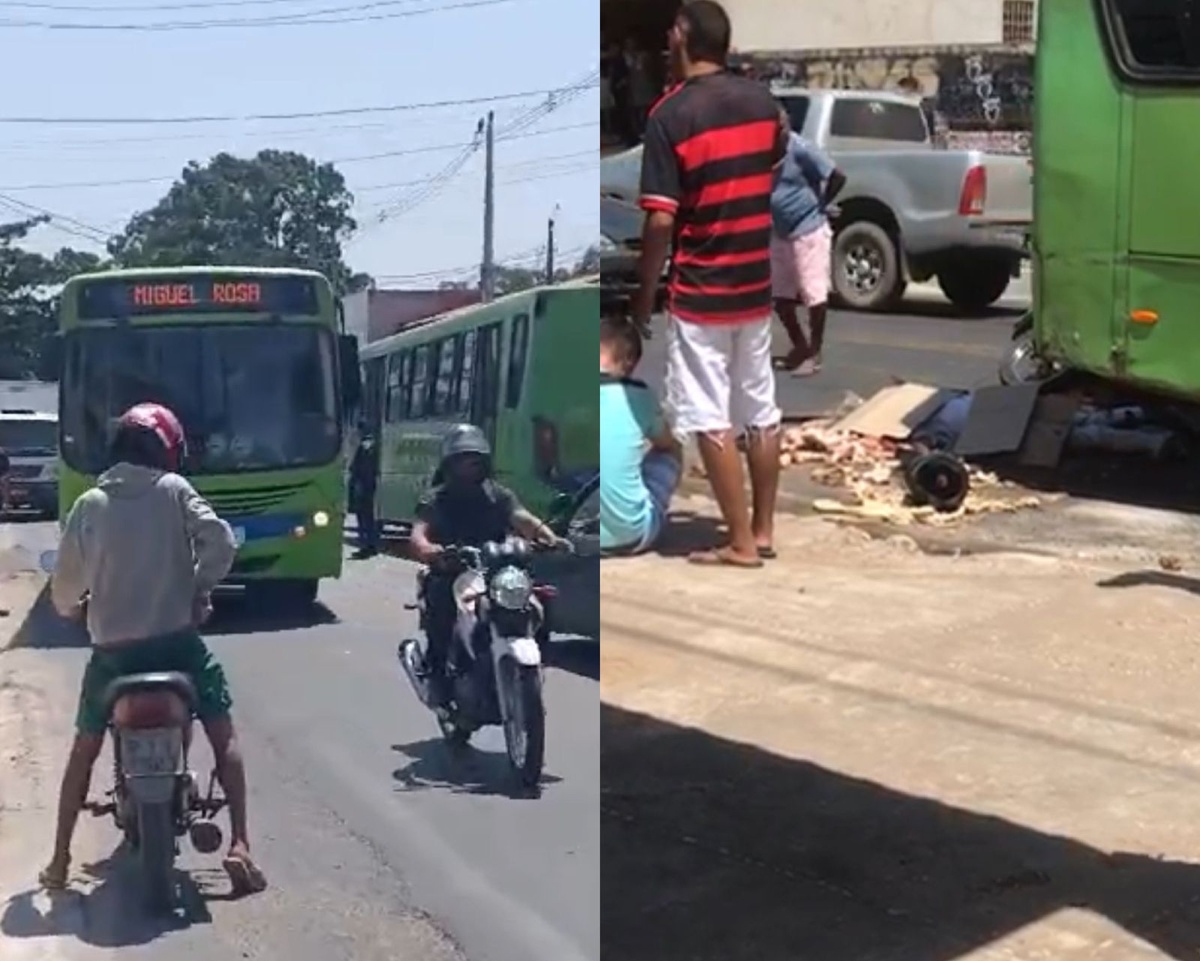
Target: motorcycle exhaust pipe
x=413 y=662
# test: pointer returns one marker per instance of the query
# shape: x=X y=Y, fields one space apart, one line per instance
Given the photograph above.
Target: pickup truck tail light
x=974 y=193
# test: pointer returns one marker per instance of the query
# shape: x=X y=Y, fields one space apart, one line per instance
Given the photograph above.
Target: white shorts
x=720 y=376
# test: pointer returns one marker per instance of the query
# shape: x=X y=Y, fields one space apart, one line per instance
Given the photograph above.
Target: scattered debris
x=1171 y=563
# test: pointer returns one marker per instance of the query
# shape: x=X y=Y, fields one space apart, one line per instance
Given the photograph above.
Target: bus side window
x=394 y=412
x=518 y=352
x=465 y=374
x=443 y=395
x=406 y=378
x=420 y=382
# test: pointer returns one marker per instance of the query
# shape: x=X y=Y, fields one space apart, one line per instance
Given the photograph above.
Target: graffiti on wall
x=984 y=92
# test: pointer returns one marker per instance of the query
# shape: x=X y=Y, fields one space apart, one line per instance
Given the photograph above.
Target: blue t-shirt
x=629 y=417
x=799 y=184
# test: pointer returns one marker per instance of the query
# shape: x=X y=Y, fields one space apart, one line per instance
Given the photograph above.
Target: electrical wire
x=337 y=161
x=150 y=8
x=537 y=161
x=299 y=115
x=328 y=16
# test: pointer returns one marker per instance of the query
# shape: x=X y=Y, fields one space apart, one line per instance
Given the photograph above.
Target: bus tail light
x=974 y=192
x=545 y=448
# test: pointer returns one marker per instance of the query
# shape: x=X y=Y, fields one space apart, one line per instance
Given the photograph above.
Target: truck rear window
x=1155 y=35
x=869 y=119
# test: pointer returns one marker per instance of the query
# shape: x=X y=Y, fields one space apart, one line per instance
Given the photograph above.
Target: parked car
x=620 y=253
x=911 y=210
x=30 y=439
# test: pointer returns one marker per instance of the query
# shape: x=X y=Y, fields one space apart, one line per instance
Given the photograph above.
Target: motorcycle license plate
x=147 y=753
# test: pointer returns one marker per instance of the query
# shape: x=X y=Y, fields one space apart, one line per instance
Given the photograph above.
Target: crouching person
x=641 y=462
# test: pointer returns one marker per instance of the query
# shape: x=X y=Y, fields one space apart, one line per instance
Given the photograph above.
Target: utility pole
x=550 y=249
x=487 y=270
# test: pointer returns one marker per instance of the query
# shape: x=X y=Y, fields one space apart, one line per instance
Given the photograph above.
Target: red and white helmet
x=163 y=423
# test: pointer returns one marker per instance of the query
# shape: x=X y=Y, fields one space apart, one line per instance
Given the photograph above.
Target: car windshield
x=250 y=398
x=28 y=437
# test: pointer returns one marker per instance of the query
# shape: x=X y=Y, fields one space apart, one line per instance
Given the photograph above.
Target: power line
x=469 y=270
x=66 y=224
x=409 y=151
x=513 y=166
x=331 y=15
x=152 y=8
x=300 y=115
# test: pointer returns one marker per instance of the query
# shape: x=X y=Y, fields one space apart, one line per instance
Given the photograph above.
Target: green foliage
x=278 y=209
x=28 y=297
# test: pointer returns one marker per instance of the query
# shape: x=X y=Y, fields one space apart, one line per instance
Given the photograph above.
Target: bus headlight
x=320 y=519
x=511 y=588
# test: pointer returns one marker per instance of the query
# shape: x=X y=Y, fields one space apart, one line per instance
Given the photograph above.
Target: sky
x=414 y=231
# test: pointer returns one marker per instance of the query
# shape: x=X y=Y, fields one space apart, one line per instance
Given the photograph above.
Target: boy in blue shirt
x=640 y=460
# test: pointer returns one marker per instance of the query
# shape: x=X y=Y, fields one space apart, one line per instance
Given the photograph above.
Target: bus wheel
x=289 y=595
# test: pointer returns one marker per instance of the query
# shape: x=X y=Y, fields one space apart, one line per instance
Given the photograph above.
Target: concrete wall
x=822 y=24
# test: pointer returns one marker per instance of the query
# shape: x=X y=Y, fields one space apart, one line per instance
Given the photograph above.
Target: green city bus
x=522 y=367
x=1116 y=202
x=254 y=363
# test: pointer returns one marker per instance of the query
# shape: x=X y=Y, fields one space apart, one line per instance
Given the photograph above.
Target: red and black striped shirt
x=710 y=147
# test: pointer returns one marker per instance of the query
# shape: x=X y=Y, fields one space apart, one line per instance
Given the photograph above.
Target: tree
x=29 y=285
x=278 y=209
x=511 y=279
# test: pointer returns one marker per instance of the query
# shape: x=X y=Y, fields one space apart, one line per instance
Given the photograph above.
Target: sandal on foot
x=767 y=553
x=244 y=875
x=724 y=558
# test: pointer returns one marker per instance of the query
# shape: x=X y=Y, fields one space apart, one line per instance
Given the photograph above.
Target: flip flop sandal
x=722 y=559
x=244 y=875
x=767 y=553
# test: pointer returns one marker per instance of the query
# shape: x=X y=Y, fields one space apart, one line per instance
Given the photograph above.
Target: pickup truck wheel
x=976 y=285
x=866 y=267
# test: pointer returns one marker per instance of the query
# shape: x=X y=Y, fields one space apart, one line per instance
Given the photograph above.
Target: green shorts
x=185 y=653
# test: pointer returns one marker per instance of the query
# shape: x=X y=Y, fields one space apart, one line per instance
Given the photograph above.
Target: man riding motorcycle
x=146 y=595
x=464 y=506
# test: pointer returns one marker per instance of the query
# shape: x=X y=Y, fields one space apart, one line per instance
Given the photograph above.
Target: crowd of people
x=743 y=204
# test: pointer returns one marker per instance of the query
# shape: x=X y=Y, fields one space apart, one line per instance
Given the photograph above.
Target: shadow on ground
x=944 y=310
x=718 y=851
x=1129 y=579
x=43 y=629
x=433 y=764
x=101 y=906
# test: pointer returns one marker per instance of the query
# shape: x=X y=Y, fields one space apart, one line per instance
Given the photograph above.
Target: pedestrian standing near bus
x=710 y=147
x=806 y=185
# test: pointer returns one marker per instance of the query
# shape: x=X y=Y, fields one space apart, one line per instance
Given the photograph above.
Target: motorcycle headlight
x=511 y=588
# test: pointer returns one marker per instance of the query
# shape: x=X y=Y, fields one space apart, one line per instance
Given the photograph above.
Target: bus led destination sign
x=189 y=296
x=112 y=299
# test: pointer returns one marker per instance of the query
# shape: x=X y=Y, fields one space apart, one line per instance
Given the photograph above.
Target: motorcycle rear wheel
x=156 y=854
x=525 y=731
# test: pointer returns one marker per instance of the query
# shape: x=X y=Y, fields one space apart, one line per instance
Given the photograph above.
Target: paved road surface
x=925 y=341
x=380 y=846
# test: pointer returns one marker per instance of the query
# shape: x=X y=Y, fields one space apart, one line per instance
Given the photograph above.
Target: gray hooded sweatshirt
x=143 y=545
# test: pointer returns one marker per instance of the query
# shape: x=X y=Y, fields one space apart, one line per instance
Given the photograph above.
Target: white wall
x=840 y=24
x=358 y=315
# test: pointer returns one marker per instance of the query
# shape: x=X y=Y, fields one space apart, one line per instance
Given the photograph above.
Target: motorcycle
x=494 y=665
x=156 y=798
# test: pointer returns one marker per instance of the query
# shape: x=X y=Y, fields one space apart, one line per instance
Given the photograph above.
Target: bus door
x=513 y=428
x=1160 y=60
x=485 y=397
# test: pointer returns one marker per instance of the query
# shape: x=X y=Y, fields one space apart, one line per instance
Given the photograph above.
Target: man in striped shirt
x=710 y=148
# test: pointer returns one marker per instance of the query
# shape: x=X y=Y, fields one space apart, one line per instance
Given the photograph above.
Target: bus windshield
x=250 y=398
x=28 y=437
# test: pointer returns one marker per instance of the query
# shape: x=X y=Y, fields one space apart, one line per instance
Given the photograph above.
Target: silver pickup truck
x=910 y=210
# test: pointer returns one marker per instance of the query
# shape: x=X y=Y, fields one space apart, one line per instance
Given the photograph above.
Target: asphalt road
x=924 y=341
x=380 y=845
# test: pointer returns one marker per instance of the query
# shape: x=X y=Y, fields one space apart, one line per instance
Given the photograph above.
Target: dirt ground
x=864 y=752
